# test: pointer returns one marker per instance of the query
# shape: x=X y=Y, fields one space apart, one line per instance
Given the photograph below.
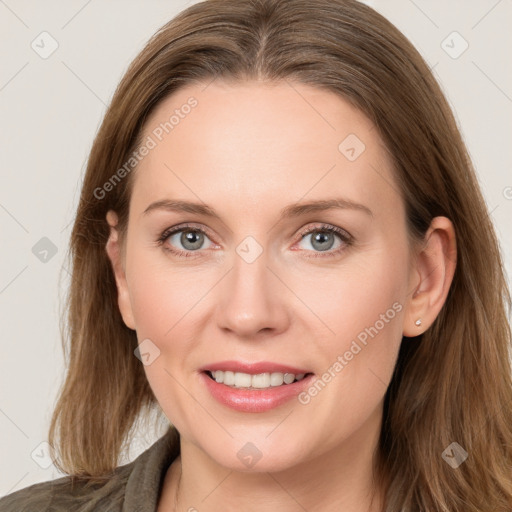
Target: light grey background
x=51 y=109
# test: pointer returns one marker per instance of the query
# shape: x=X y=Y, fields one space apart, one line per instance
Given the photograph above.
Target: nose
x=253 y=299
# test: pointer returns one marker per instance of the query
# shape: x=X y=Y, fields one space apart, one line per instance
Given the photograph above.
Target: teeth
x=259 y=381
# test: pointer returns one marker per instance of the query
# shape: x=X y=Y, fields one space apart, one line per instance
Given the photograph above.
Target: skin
x=248 y=150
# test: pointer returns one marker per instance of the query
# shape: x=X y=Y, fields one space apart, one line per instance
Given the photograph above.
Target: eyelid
x=326 y=227
x=346 y=238
x=184 y=227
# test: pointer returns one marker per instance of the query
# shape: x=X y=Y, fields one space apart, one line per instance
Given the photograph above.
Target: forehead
x=238 y=145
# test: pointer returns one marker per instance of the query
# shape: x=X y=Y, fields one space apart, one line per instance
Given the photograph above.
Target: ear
x=432 y=276
x=113 y=249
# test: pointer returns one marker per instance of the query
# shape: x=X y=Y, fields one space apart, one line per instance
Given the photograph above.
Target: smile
x=258 y=381
x=256 y=392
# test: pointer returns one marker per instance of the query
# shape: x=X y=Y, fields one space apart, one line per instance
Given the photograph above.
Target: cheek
x=161 y=292
x=162 y=299
x=152 y=302
x=362 y=305
x=352 y=296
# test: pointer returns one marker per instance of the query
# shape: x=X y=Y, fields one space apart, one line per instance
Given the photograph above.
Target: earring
x=418 y=322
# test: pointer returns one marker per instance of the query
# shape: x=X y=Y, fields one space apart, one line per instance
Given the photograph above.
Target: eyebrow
x=292 y=210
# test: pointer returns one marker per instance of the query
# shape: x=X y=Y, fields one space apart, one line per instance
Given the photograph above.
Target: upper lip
x=253 y=368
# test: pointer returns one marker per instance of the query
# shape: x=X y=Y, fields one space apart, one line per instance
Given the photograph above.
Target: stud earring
x=418 y=322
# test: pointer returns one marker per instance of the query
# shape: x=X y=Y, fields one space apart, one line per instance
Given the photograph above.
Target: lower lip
x=257 y=400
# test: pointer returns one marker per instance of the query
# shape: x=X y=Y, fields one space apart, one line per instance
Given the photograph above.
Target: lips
x=254 y=400
x=246 y=398
x=253 y=368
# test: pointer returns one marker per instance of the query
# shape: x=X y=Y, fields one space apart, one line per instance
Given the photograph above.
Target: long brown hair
x=451 y=384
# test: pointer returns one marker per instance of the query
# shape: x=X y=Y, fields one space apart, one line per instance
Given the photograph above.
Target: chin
x=257 y=456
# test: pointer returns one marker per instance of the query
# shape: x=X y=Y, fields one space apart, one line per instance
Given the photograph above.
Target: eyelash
x=343 y=235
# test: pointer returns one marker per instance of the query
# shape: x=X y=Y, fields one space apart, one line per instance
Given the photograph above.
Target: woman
x=281 y=243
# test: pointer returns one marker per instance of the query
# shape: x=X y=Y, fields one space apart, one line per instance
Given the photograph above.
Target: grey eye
x=190 y=240
x=321 y=240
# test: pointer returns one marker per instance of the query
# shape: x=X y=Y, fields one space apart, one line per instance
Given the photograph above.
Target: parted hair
x=451 y=384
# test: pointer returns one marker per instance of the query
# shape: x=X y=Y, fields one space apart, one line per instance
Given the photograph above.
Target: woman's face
x=253 y=276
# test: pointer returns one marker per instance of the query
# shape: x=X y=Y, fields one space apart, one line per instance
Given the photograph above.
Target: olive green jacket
x=134 y=487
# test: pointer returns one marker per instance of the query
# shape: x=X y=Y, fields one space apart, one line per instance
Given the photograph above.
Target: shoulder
x=133 y=486
x=35 y=497
x=68 y=494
